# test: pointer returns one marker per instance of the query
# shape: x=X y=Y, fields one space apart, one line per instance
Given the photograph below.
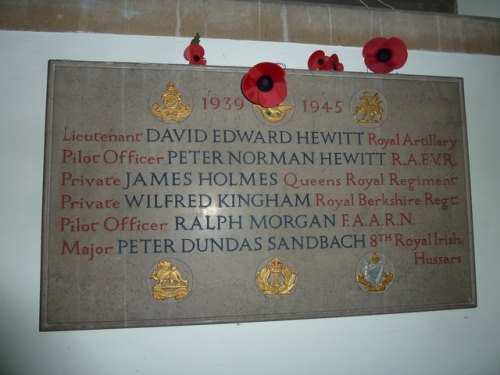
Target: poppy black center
x=384 y=55
x=196 y=58
x=265 y=83
x=321 y=61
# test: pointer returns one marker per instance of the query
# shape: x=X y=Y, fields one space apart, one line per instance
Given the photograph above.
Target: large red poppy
x=384 y=55
x=265 y=85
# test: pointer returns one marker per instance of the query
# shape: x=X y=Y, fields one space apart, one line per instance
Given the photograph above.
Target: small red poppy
x=265 y=85
x=194 y=53
x=384 y=55
x=336 y=64
x=319 y=61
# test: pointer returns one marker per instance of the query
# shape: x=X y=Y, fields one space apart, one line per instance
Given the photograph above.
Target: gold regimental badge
x=274 y=114
x=169 y=282
x=370 y=110
x=276 y=279
x=173 y=109
x=373 y=276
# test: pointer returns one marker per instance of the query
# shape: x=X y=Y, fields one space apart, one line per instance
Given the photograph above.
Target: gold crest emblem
x=173 y=109
x=276 y=279
x=274 y=114
x=374 y=273
x=370 y=110
x=169 y=282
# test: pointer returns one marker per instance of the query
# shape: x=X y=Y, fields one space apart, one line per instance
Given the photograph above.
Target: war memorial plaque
x=170 y=199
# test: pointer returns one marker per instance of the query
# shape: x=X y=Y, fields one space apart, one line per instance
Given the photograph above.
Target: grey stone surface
x=258 y=20
x=105 y=148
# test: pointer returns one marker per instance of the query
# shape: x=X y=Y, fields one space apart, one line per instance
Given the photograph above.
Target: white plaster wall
x=443 y=342
x=480 y=8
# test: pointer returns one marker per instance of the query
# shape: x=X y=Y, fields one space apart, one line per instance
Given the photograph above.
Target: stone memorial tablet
x=170 y=199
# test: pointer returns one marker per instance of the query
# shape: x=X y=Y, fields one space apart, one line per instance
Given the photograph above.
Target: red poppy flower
x=384 y=55
x=335 y=63
x=319 y=61
x=194 y=53
x=265 y=85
